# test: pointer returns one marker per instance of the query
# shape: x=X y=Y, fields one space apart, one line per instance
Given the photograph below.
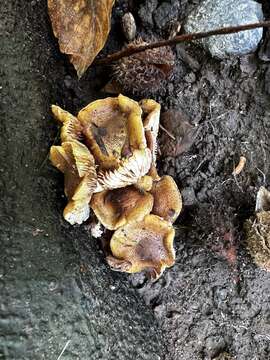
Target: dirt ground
x=55 y=285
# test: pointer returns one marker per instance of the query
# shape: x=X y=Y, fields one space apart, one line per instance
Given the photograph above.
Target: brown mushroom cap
x=258 y=239
x=143 y=245
x=167 y=199
x=113 y=129
x=115 y=208
x=78 y=165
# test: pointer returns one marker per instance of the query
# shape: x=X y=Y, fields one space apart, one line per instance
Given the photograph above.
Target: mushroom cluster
x=108 y=158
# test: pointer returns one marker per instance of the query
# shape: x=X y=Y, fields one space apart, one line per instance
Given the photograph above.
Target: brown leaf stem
x=179 y=39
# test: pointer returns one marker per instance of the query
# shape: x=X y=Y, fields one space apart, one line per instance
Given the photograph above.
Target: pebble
x=190 y=78
x=129 y=26
x=213 y=14
x=189 y=197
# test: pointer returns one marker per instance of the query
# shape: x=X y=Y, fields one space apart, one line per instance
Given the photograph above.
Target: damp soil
x=55 y=287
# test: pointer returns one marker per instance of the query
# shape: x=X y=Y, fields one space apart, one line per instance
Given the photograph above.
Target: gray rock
x=213 y=14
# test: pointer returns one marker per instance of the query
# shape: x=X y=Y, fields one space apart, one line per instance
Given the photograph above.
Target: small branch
x=179 y=39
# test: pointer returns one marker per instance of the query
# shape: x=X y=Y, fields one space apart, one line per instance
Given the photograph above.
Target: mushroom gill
x=77 y=164
x=131 y=170
x=151 y=113
x=71 y=128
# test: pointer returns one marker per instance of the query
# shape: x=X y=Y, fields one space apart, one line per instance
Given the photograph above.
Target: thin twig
x=64 y=348
x=131 y=50
x=167 y=132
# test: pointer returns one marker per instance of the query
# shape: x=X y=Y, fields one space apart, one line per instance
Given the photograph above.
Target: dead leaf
x=182 y=133
x=82 y=27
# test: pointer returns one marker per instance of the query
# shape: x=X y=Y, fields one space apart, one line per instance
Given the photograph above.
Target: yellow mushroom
x=71 y=128
x=113 y=129
x=143 y=245
x=78 y=165
x=151 y=113
x=115 y=208
x=167 y=199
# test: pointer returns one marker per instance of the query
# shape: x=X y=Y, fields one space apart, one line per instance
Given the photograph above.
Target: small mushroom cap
x=131 y=170
x=167 y=199
x=71 y=128
x=115 y=208
x=113 y=129
x=64 y=161
x=78 y=165
x=144 y=245
x=258 y=239
x=134 y=123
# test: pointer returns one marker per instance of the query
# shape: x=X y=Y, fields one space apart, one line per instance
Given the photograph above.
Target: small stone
x=189 y=197
x=212 y=14
x=190 y=78
x=68 y=82
x=222 y=294
x=129 y=26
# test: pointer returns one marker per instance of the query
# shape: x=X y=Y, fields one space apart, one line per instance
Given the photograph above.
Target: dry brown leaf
x=82 y=27
x=179 y=135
